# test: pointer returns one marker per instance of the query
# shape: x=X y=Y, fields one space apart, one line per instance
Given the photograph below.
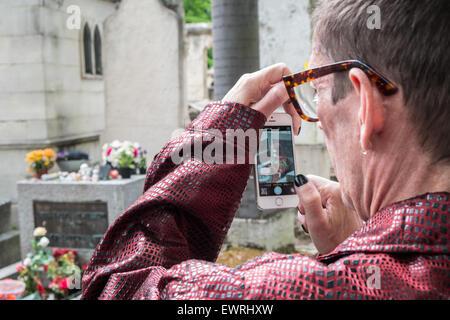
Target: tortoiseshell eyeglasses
x=304 y=97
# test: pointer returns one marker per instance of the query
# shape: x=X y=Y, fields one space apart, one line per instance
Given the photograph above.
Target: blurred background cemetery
x=137 y=71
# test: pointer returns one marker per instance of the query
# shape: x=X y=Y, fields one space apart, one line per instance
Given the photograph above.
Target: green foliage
x=126 y=160
x=210 y=58
x=142 y=163
x=197 y=11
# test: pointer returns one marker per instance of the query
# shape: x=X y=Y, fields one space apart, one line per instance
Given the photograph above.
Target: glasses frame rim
x=386 y=86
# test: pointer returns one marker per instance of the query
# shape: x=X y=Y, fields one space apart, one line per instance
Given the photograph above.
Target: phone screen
x=275 y=162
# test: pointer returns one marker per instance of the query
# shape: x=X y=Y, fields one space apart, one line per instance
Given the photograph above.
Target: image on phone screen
x=275 y=162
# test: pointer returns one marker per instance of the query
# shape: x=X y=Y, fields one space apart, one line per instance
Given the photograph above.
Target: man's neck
x=404 y=175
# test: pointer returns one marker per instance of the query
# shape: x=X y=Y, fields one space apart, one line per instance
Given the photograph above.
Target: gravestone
x=75 y=214
x=261 y=229
x=72 y=224
x=5 y=216
x=9 y=239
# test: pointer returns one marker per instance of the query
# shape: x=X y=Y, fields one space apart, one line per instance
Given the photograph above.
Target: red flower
x=45 y=267
x=108 y=152
x=135 y=152
x=63 y=284
x=40 y=288
x=55 y=253
x=55 y=281
x=58 y=253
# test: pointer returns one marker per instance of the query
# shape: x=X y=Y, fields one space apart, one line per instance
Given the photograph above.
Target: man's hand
x=323 y=214
x=264 y=91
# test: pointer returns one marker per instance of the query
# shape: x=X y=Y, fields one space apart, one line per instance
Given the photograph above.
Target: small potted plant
x=40 y=161
x=123 y=156
x=71 y=161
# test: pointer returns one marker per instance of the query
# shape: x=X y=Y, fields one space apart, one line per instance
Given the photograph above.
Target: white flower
x=27 y=262
x=115 y=162
x=39 y=232
x=116 y=144
x=44 y=242
x=127 y=145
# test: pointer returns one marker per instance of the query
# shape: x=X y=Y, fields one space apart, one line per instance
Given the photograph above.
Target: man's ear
x=371 y=111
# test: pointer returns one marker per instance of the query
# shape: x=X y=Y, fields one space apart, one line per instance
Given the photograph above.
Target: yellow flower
x=49 y=153
x=31 y=157
x=39 y=155
x=47 y=156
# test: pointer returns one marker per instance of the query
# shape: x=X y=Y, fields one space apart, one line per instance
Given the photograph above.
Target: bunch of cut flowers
x=49 y=274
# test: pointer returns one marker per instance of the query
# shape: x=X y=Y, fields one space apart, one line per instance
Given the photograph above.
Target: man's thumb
x=310 y=202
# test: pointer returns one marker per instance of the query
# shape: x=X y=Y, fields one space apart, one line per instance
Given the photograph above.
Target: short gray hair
x=411 y=48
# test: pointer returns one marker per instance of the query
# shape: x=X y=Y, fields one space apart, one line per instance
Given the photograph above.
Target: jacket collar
x=417 y=225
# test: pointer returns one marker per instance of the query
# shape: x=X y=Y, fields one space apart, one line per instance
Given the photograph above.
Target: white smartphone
x=275 y=165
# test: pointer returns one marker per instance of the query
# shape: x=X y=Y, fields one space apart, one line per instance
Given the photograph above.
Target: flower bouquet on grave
x=40 y=161
x=123 y=156
x=33 y=269
x=64 y=273
x=47 y=273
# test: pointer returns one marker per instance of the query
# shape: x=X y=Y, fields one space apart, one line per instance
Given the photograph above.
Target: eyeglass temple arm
x=386 y=86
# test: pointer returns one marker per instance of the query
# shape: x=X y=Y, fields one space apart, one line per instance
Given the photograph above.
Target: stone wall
x=144 y=74
x=285 y=36
x=198 y=41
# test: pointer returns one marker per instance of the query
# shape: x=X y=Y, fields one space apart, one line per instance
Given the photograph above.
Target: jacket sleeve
x=185 y=211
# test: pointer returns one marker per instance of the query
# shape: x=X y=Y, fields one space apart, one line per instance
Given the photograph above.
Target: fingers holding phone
x=322 y=211
x=265 y=91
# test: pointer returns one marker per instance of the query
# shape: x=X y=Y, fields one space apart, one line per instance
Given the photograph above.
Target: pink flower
x=135 y=152
x=51 y=284
x=19 y=268
x=108 y=152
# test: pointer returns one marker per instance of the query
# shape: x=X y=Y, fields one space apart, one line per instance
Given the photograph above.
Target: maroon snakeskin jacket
x=164 y=246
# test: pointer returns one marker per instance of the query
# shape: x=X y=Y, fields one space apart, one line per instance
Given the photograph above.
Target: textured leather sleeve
x=184 y=213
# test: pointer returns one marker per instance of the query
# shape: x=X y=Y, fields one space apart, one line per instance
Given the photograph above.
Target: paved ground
x=234 y=256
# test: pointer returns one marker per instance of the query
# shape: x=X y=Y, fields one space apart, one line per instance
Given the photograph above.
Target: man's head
x=411 y=49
